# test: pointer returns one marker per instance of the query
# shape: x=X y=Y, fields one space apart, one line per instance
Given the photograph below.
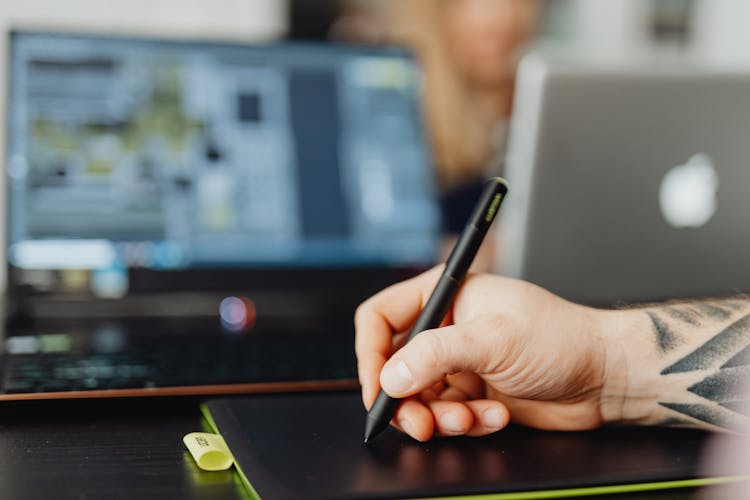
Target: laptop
x=189 y=218
x=628 y=184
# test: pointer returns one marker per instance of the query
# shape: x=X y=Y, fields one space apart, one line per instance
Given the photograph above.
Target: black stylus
x=456 y=267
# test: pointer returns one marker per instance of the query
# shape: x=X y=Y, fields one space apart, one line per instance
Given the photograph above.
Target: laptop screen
x=162 y=155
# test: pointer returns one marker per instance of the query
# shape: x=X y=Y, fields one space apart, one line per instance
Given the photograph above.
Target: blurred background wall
x=712 y=30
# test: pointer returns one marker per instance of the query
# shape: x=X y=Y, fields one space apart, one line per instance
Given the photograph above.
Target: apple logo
x=687 y=194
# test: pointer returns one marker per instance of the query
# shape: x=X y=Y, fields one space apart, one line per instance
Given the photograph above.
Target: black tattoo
x=727 y=355
x=664 y=336
x=733 y=305
x=742 y=358
x=684 y=314
x=672 y=422
x=714 y=415
x=713 y=310
x=716 y=351
x=724 y=386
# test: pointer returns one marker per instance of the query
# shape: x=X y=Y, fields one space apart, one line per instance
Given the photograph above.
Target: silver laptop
x=629 y=184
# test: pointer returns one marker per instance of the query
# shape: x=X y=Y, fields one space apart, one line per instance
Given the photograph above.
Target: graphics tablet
x=310 y=447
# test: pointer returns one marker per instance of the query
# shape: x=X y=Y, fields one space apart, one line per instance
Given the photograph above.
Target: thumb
x=433 y=354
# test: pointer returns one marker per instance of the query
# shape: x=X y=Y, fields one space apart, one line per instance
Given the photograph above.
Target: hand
x=506 y=349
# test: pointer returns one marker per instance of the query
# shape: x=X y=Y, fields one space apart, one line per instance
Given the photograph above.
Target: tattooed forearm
x=685 y=314
x=665 y=338
x=713 y=311
x=717 y=350
x=668 y=319
x=713 y=415
x=742 y=358
x=712 y=369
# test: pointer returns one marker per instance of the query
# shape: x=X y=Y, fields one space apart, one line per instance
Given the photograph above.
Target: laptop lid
x=628 y=184
x=138 y=166
x=193 y=218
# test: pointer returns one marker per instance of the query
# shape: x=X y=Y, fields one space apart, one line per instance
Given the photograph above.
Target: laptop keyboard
x=187 y=363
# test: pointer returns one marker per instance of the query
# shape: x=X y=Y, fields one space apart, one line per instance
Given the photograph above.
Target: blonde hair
x=460 y=139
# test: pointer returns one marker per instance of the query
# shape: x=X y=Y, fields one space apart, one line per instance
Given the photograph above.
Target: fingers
x=470 y=384
x=433 y=392
x=369 y=367
x=415 y=419
x=489 y=416
x=392 y=310
x=461 y=387
x=377 y=319
x=433 y=354
x=450 y=418
x=453 y=394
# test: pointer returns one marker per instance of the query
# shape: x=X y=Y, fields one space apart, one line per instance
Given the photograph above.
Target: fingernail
x=492 y=418
x=449 y=423
x=406 y=426
x=396 y=378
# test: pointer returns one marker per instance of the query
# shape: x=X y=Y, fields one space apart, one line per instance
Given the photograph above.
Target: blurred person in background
x=468 y=50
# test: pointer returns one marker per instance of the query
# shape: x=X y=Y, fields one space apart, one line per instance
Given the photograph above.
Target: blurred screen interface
x=127 y=153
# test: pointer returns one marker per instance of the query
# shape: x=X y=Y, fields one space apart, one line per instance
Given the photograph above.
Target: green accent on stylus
x=500 y=180
x=493 y=207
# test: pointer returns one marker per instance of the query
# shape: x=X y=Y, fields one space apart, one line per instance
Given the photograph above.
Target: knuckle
x=363 y=310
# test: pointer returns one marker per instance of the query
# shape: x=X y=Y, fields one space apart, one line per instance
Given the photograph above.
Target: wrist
x=631 y=373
